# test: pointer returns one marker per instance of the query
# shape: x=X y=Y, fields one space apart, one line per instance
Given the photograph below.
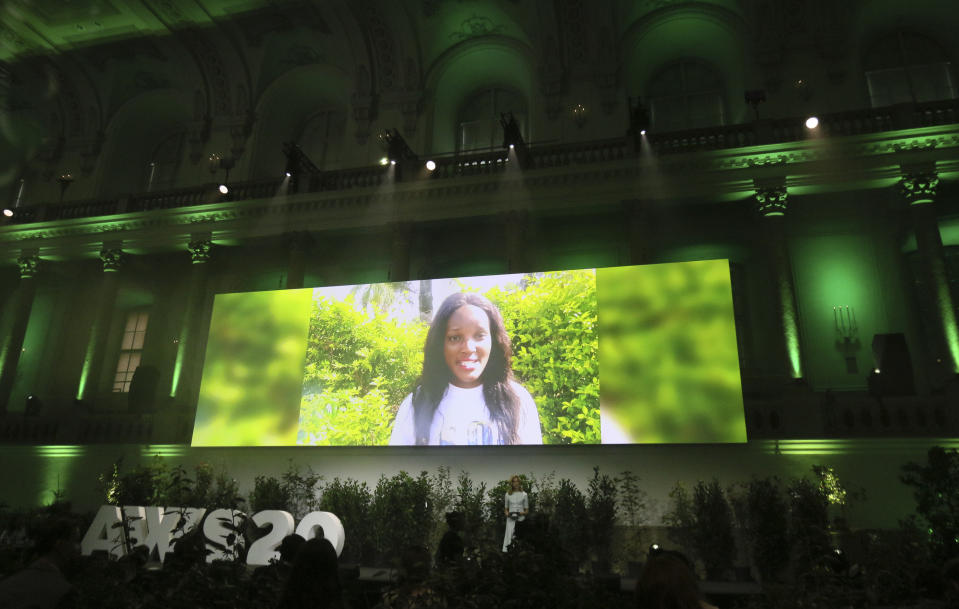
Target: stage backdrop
x=638 y=354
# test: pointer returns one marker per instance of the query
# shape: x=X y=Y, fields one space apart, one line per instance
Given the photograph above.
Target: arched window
x=161 y=172
x=906 y=67
x=479 y=127
x=686 y=94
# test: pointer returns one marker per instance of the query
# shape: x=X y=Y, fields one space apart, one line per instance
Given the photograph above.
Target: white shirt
x=462 y=418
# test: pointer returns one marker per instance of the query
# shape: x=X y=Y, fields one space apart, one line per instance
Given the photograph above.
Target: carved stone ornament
x=919 y=188
x=29 y=264
x=200 y=250
x=112 y=258
x=771 y=201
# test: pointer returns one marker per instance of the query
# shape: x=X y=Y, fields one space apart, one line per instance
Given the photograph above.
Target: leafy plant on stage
x=351 y=501
x=760 y=509
x=401 y=513
x=360 y=365
x=300 y=485
x=469 y=500
x=702 y=523
x=601 y=506
x=632 y=513
x=268 y=494
x=553 y=327
x=569 y=524
x=935 y=487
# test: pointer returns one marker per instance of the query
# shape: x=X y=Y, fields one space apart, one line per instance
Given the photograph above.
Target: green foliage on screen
x=552 y=324
x=360 y=364
x=253 y=371
x=668 y=352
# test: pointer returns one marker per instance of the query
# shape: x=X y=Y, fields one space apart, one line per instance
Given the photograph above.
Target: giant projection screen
x=621 y=355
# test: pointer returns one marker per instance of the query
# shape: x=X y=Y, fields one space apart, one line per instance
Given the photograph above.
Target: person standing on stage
x=516 y=509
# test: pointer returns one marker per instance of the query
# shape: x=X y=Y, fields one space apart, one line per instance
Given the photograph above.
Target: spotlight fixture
x=8 y=212
x=639 y=122
x=430 y=165
x=396 y=147
x=384 y=161
x=392 y=162
x=224 y=189
x=812 y=122
x=512 y=135
x=297 y=163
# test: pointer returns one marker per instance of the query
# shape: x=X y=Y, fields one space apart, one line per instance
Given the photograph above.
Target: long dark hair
x=497 y=377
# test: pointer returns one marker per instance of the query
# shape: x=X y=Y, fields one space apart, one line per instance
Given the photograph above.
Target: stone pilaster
x=516 y=227
x=639 y=231
x=191 y=338
x=111 y=259
x=21 y=306
x=771 y=204
x=299 y=245
x=401 y=238
x=918 y=189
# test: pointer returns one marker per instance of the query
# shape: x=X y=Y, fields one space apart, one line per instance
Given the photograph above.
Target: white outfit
x=462 y=418
x=515 y=502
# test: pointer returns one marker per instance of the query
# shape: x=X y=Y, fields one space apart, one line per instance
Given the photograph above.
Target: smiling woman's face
x=467 y=345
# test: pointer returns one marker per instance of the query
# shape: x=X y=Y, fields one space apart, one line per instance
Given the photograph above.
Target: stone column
x=299 y=246
x=918 y=188
x=111 y=258
x=771 y=203
x=21 y=305
x=639 y=231
x=400 y=251
x=516 y=224
x=191 y=338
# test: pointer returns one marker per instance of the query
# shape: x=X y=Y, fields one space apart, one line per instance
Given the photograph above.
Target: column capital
x=29 y=264
x=919 y=187
x=771 y=201
x=112 y=258
x=200 y=250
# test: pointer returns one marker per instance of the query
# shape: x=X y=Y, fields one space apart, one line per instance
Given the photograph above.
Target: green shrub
x=936 y=489
x=401 y=514
x=552 y=324
x=359 y=367
x=351 y=502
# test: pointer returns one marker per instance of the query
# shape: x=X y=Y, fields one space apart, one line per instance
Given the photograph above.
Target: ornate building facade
x=122 y=118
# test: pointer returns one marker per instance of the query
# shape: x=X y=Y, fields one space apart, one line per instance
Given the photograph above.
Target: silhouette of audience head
x=668 y=582
x=290 y=547
x=314 y=579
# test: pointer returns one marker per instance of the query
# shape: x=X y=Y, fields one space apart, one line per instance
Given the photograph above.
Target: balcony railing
x=858 y=122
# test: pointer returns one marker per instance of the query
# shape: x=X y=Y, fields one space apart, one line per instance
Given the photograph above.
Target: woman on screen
x=466 y=394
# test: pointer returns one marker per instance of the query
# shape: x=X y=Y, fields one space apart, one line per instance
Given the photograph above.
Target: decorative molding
x=112 y=258
x=200 y=250
x=919 y=188
x=29 y=265
x=771 y=201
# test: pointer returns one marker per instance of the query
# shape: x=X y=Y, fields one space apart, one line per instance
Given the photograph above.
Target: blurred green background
x=668 y=354
x=253 y=371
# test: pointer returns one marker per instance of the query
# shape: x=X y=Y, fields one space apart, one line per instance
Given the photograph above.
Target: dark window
x=906 y=67
x=479 y=126
x=686 y=94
